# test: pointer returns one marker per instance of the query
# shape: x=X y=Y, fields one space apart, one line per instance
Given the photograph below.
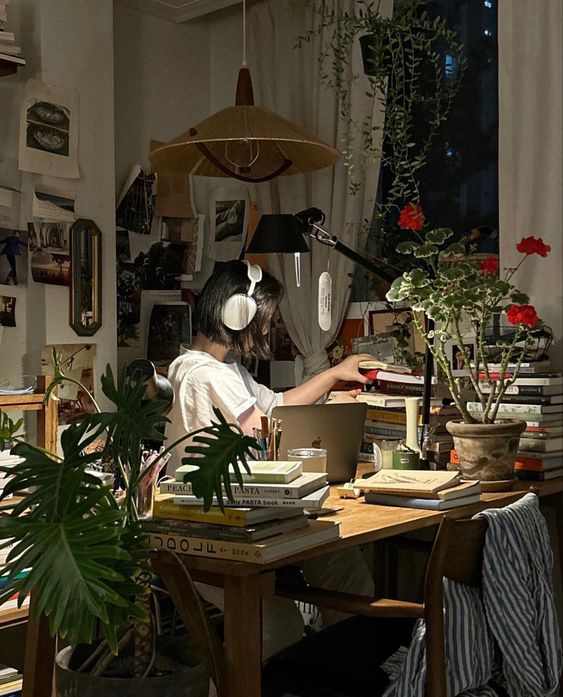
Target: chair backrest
x=179 y=584
x=457 y=554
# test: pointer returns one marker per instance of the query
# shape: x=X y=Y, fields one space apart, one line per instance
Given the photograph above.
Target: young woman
x=208 y=374
x=233 y=318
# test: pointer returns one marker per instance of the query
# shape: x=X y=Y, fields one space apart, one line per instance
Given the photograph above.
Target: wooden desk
x=246 y=584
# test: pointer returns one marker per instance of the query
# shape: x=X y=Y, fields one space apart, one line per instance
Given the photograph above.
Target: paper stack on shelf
x=9 y=50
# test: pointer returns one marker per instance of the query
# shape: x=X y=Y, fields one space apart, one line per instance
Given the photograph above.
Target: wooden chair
x=314 y=666
x=189 y=606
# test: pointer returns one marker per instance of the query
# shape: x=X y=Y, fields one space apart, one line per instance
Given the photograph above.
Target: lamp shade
x=278 y=233
x=245 y=142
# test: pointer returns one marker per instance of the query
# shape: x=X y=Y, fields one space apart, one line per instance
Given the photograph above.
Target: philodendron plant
x=78 y=546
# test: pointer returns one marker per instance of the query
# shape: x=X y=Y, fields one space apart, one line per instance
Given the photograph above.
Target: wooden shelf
x=13 y=616
x=8 y=67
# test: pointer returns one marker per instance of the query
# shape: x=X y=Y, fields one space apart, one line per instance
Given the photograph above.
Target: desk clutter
x=266 y=520
x=419 y=489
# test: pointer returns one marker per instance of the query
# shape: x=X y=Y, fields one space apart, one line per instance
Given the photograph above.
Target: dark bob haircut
x=228 y=280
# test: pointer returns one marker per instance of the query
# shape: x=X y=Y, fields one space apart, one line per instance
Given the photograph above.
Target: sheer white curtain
x=288 y=81
x=530 y=150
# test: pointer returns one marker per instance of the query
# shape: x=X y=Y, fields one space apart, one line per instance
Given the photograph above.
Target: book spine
x=169 y=509
x=539 y=445
x=506 y=408
x=400 y=388
x=527 y=399
x=524 y=390
x=207 y=532
x=218 y=549
x=262 y=501
x=245 y=492
x=538 y=476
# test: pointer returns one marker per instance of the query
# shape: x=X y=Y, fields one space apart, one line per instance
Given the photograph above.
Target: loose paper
x=49 y=130
x=53 y=204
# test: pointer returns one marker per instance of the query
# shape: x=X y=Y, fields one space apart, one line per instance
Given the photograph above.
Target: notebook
x=338 y=428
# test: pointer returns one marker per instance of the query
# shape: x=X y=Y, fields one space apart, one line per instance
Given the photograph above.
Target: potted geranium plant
x=80 y=546
x=462 y=295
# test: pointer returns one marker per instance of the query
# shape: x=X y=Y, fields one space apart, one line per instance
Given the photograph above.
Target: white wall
x=68 y=43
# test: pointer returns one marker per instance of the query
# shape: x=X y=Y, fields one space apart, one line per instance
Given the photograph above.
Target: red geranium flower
x=532 y=245
x=489 y=266
x=411 y=217
x=522 y=314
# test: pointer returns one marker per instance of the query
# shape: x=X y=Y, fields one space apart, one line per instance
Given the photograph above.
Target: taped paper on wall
x=48 y=141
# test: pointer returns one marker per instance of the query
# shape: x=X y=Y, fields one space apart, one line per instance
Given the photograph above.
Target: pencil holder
x=405 y=460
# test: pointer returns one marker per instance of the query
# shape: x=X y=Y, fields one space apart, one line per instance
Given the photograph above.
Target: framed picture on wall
x=459 y=353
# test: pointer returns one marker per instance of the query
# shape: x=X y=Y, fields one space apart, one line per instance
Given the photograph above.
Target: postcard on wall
x=7 y=311
x=228 y=220
x=13 y=256
x=49 y=131
x=50 y=257
x=53 y=204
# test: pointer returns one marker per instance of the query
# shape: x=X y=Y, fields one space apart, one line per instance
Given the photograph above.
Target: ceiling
x=178 y=10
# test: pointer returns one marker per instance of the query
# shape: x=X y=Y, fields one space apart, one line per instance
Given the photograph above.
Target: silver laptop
x=338 y=428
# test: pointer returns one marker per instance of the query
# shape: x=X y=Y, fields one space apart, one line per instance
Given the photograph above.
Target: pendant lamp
x=245 y=142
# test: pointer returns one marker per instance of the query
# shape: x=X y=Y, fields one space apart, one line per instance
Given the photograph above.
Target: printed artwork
x=77 y=362
x=161 y=267
x=49 y=130
x=136 y=205
x=122 y=245
x=50 y=253
x=169 y=328
x=459 y=353
x=128 y=305
x=7 y=311
x=13 y=246
x=228 y=213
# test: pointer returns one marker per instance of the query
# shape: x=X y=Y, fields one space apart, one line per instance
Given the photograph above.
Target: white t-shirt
x=200 y=383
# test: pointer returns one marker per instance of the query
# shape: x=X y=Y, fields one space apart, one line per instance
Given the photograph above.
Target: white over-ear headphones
x=239 y=310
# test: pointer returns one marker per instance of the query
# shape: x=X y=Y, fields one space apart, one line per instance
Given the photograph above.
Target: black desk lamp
x=283 y=234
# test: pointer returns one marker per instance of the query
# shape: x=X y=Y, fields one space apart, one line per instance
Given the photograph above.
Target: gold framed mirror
x=86 y=277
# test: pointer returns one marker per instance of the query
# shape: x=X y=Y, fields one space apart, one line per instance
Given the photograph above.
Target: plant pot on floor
x=487 y=451
x=181 y=681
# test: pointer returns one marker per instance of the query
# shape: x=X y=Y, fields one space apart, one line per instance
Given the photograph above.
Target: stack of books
x=6 y=460
x=419 y=489
x=10 y=53
x=10 y=681
x=265 y=521
x=537 y=399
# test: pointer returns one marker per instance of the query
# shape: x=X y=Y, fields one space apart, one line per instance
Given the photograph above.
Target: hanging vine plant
x=414 y=66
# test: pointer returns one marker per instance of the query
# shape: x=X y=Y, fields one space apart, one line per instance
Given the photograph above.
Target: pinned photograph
x=161 y=267
x=50 y=258
x=7 y=311
x=77 y=361
x=122 y=245
x=13 y=245
x=49 y=130
x=228 y=214
x=128 y=305
x=136 y=202
x=460 y=354
x=170 y=327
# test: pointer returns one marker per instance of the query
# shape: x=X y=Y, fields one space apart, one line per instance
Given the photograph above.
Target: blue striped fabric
x=515 y=622
x=469 y=650
x=518 y=598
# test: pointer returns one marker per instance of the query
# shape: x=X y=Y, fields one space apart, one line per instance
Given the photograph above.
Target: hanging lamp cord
x=244 y=32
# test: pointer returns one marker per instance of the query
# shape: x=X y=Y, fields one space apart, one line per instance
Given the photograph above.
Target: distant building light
x=450 y=65
x=451 y=151
x=488 y=32
x=488 y=3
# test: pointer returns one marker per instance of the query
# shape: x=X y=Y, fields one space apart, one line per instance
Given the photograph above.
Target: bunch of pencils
x=268 y=437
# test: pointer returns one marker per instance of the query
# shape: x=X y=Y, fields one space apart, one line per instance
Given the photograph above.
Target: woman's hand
x=344 y=397
x=348 y=369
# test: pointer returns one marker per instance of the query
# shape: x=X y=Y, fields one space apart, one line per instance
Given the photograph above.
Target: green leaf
x=454 y=249
x=425 y=251
x=407 y=247
x=214 y=451
x=439 y=235
x=8 y=429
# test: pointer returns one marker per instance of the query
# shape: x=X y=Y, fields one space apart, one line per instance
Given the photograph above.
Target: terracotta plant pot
x=182 y=682
x=487 y=451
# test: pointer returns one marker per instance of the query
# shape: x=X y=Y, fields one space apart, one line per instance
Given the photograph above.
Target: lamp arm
x=324 y=237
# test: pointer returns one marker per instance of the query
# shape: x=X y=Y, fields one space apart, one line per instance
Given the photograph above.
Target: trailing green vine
x=406 y=56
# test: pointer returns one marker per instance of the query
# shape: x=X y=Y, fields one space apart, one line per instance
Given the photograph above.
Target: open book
x=381 y=365
x=419 y=483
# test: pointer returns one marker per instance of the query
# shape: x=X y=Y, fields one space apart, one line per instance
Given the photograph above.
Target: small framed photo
x=459 y=354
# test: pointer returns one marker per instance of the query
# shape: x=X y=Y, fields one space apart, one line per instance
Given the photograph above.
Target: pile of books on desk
x=537 y=399
x=10 y=681
x=419 y=489
x=266 y=520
